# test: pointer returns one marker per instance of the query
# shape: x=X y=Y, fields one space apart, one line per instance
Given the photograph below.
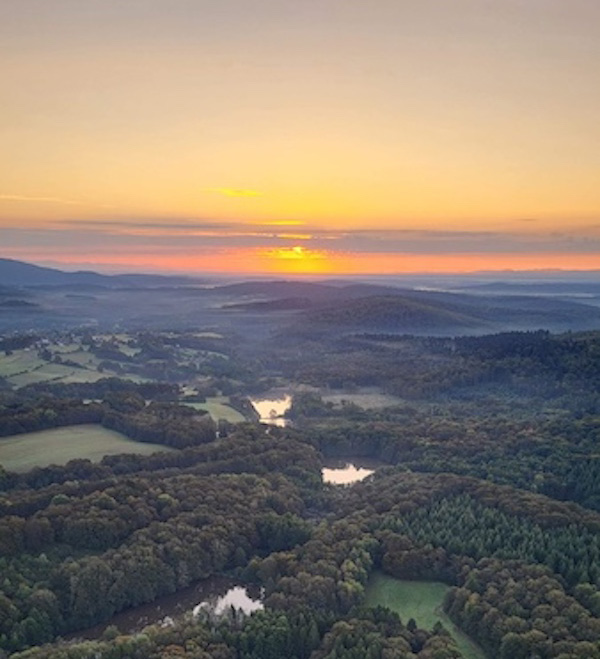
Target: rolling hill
x=20 y=274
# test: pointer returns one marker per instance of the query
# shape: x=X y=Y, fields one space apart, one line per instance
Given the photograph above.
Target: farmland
x=25 y=367
x=81 y=358
x=20 y=453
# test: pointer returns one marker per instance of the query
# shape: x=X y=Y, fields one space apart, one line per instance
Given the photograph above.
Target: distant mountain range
x=341 y=306
x=18 y=274
x=32 y=297
x=436 y=314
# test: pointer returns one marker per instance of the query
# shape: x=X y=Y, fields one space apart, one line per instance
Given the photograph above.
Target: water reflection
x=214 y=595
x=236 y=597
x=348 y=471
x=271 y=410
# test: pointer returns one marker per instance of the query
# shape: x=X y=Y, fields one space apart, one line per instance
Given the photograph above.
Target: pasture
x=20 y=361
x=23 y=452
x=50 y=372
x=25 y=367
x=422 y=601
x=218 y=409
x=368 y=398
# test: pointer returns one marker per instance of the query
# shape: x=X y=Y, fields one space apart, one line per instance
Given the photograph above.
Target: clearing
x=421 y=600
x=59 y=445
x=218 y=408
x=369 y=398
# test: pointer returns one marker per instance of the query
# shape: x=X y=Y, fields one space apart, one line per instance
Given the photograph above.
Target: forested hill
x=394 y=312
x=134 y=529
x=17 y=273
x=421 y=312
x=336 y=306
x=316 y=291
x=488 y=483
x=33 y=297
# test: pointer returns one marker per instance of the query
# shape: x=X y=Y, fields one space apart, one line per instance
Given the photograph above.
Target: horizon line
x=305 y=275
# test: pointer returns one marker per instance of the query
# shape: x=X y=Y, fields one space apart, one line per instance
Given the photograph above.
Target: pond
x=345 y=471
x=271 y=410
x=215 y=595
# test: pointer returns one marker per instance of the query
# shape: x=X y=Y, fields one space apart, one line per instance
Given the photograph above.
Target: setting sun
x=297 y=260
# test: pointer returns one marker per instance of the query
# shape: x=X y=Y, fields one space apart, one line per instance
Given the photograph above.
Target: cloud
x=234 y=192
x=27 y=198
x=294 y=236
x=49 y=200
x=466 y=242
x=166 y=225
x=206 y=235
x=207 y=228
x=282 y=223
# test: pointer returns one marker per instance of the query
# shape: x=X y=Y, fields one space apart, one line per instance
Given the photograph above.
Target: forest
x=489 y=483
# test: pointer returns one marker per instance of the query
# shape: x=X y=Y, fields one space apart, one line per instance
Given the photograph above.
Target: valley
x=356 y=474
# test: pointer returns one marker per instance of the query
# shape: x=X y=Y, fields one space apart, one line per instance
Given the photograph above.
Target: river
x=215 y=594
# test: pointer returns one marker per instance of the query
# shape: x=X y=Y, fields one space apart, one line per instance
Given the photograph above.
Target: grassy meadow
x=367 y=398
x=25 y=367
x=23 y=452
x=219 y=409
x=421 y=600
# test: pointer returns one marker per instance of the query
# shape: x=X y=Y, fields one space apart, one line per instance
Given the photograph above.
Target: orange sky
x=298 y=260
x=206 y=136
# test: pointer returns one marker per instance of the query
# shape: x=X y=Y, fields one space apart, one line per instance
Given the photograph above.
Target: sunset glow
x=294 y=137
x=297 y=260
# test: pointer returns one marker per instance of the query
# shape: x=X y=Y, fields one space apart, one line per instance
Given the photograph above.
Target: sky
x=312 y=137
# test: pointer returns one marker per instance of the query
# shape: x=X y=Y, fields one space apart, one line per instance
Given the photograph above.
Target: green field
x=49 y=372
x=25 y=367
x=20 y=361
x=368 y=400
x=421 y=600
x=59 y=445
x=219 y=409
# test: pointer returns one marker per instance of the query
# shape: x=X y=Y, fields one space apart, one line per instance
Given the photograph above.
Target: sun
x=296 y=260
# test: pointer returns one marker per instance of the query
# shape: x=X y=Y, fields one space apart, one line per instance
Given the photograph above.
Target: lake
x=271 y=409
x=345 y=471
x=214 y=594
